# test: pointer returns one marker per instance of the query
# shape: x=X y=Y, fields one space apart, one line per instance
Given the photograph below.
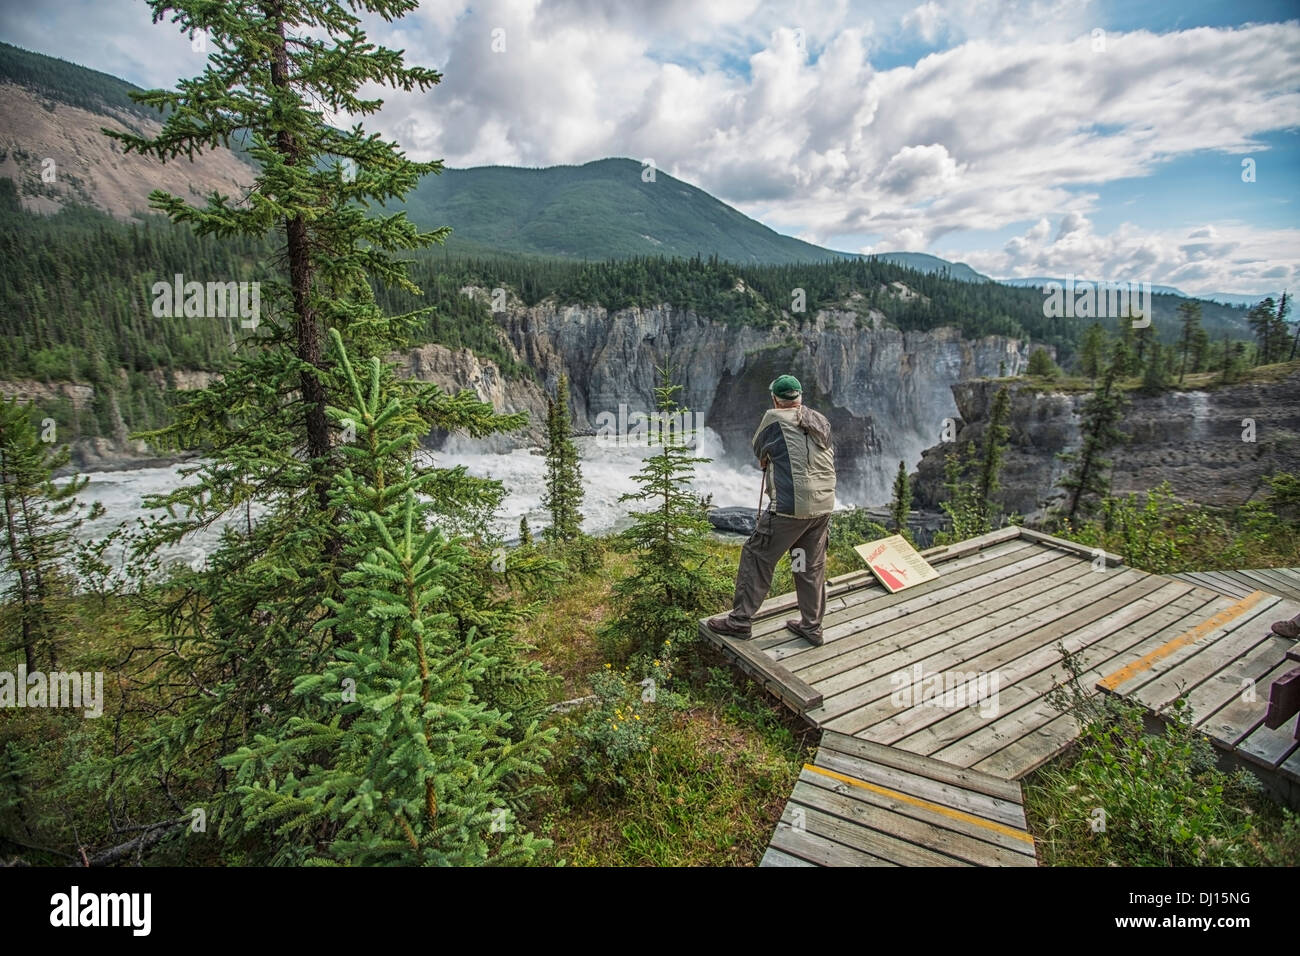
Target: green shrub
x=622 y=723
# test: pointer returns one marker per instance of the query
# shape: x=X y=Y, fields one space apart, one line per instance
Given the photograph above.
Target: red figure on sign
x=893 y=582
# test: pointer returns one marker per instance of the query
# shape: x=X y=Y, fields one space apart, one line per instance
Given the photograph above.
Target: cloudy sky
x=1039 y=138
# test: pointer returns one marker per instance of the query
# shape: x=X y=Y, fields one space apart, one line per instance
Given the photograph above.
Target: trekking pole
x=761 y=489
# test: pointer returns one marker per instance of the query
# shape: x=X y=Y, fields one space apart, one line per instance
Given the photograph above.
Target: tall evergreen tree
x=961 y=502
x=674 y=581
x=995 y=448
x=563 y=494
x=1268 y=321
x=1156 y=376
x=40 y=516
x=1190 y=313
x=259 y=616
x=413 y=766
x=1092 y=351
x=900 y=506
x=1200 y=350
x=1040 y=363
x=1087 y=479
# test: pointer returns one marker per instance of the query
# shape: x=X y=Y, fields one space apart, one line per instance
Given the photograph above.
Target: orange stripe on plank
x=1149 y=660
x=924 y=804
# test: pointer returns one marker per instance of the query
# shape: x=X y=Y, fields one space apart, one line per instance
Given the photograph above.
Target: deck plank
x=977 y=613
x=1236 y=720
x=921 y=812
x=994 y=648
x=770 y=617
x=775 y=857
x=1220 y=689
x=1268 y=746
x=1036 y=674
x=879 y=605
x=1130 y=677
x=1179 y=673
x=912 y=763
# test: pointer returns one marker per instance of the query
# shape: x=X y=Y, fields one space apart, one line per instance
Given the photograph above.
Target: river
x=607 y=473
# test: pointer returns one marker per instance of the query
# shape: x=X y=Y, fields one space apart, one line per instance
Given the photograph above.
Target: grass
x=1060 y=808
x=712 y=785
x=1122 y=796
x=563 y=634
x=708 y=792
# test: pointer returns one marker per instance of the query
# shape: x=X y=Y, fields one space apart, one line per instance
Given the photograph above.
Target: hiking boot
x=722 y=625
x=793 y=626
x=1289 y=629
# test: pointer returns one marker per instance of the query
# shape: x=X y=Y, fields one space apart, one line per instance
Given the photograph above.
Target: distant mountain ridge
x=1223 y=298
x=599 y=210
x=607 y=208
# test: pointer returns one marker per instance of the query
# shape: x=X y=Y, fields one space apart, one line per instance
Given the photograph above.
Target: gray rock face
x=456 y=369
x=886 y=392
x=735 y=520
x=1198 y=441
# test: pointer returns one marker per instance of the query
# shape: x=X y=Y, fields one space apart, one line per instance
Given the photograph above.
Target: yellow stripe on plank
x=1147 y=661
x=924 y=804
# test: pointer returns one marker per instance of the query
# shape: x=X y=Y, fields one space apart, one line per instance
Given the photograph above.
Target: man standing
x=793 y=445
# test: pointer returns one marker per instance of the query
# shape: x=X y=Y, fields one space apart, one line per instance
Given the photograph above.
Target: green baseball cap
x=785 y=386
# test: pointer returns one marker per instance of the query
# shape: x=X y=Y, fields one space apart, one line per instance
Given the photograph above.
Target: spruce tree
x=1200 y=349
x=525 y=533
x=1191 y=326
x=961 y=501
x=1041 y=364
x=412 y=766
x=239 y=633
x=900 y=506
x=1087 y=480
x=563 y=494
x=1092 y=351
x=674 y=581
x=40 y=517
x=995 y=447
x=1144 y=338
x=1156 y=376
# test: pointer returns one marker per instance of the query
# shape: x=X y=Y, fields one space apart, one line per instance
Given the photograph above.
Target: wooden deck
x=990 y=628
x=861 y=804
x=1284 y=582
x=1224 y=674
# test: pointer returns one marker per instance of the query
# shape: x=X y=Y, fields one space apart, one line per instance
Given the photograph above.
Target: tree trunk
x=307 y=330
x=24 y=585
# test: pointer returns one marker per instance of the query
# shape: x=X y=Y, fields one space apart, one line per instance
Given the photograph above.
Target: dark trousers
x=776 y=534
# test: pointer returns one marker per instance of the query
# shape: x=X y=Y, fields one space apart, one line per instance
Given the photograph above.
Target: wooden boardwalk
x=1225 y=674
x=958 y=668
x=862 y=804
x=1284 y=582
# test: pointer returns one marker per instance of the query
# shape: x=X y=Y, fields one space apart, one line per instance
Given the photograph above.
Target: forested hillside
x=75 y=302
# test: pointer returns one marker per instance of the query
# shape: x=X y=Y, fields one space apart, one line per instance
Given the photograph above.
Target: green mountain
x=600 y=210
x=64 y=82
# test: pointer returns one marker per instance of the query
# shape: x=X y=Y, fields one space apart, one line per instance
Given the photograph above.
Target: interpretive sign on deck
x=895 y=563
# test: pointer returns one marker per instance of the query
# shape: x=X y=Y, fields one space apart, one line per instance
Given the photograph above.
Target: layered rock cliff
x=886 y=392
x=1213 y=446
